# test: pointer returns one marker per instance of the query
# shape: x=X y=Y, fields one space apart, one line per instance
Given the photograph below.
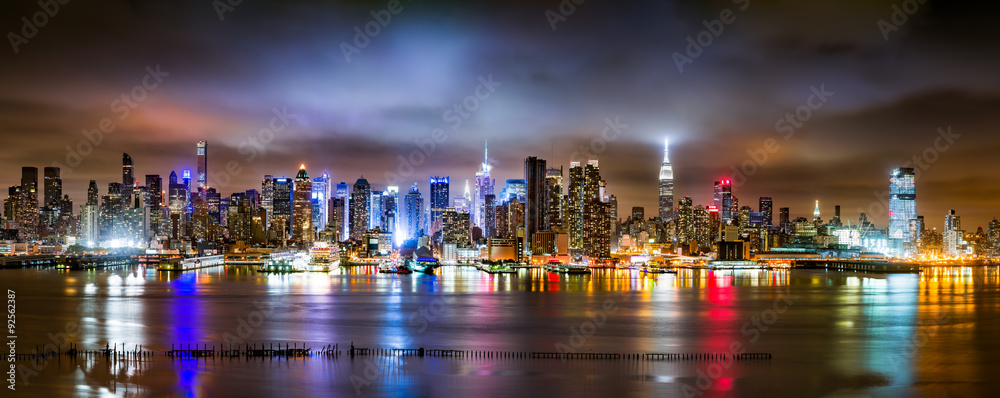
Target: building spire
x=666 y=150
x=816 y=212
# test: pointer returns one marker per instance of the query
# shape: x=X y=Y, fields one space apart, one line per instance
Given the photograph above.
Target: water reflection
x=843 y=332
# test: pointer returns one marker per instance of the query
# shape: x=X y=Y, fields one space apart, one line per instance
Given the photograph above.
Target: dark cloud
x=605 y=60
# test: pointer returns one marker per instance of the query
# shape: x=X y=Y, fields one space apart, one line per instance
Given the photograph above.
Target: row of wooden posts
x=262 y=350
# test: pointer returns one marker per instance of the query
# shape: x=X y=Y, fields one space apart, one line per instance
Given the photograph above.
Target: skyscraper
x=344 y=194
x=267 y=199
x=128 y=180
x=414 y=205
x=902 y=206
x=536 y=206
x=724 y=199
x=28 y=220
x=596 y=214
x=490 y=219
x=375 y=210
x=816 y=215
x=202 y=150
x=90 y=217
x=302 y=217
x=484 y=186
x=666 y=185
x=767 y=210
x=573 y=213
x=951 y=237
x=320 y=199
x=282 y=219
x=53 y=186
x=554 y=190
x=390 y=209
x=439 y=201
x=360 y=208
x=154 y=185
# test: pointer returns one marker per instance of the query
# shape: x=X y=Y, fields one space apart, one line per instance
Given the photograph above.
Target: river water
x=829 y=333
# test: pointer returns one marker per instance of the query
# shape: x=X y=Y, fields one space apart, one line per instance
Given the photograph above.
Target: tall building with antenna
x=666 y=185
x=484 y=186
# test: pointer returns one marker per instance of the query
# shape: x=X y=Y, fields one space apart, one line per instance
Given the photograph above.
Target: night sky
x=891 y=94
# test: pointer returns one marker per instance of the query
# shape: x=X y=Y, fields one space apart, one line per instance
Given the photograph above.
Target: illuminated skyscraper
x=90 y=217
x=360 y=207
x=375 y=210
x=344 y=194
x=302 y=207
x=282 y=220
x=390 y=209
x=816 y=215
x=554 y=190
x=439 y=201
x=596 y=214
x=53 y=186
x=902 y=206
x=484 y=186
x=202 y=150
x=666 y=185
x=414 y=205
x=128 y=180
x=724 y=200
x=28 y=208
x=154 y=186
x=573 y=212
x=536 y=206
x=455 y=227
x=767 y=210
x=320 y=200
x=267 y=199
x=685 y=221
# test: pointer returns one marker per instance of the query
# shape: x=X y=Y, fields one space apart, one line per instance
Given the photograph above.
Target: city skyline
x=887 y=96
x=883 y=205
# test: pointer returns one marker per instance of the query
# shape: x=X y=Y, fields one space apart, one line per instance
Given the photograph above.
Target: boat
x=423 y=261
x=321 y=258
x=390 y=268
x=554 y=265
x=178 y=264
x=649 y=269
x=499 y=269
x=496 y=268
x=283 y=263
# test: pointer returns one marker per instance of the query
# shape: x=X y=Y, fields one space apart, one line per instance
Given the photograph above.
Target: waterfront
x=831 y=333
